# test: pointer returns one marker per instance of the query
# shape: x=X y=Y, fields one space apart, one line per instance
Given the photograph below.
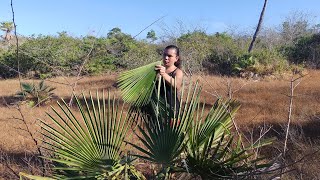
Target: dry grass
x=262 y=101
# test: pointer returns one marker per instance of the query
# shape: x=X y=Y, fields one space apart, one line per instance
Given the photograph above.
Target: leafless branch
x=79 y=73
x=258 y=26
x=17 y=44
x=149 y=26
x=32 y=137
x=293 y=85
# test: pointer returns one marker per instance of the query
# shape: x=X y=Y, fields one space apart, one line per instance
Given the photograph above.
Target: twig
x=215 y=91
x=11 y=68
x=149 y=25
x=58 y=82
x=292 y=88
x=17 y=44
x=79 y=73
x=32 y=137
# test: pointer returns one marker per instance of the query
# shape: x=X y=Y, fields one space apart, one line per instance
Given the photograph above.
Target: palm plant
x=91 y=147
x=211 y=150
x=7 y=27
x=164 y=129
x=36 y=94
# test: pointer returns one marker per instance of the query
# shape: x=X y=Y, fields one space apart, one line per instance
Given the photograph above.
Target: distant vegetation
x=295 y=42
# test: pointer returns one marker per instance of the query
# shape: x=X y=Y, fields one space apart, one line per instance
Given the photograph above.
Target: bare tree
x=295 y=25
x=258 y=26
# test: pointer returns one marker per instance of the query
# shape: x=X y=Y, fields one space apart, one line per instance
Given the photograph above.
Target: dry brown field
x=264 y=104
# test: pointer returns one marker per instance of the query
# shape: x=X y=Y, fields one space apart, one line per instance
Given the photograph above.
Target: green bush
x=100 y=64
x=269 y=62
x=48 y=56
x=305 y=50
x=195 y=48
x=245 y=62
x=35 y=95
x=139 y=55
x=226 y=52
x=9 y=64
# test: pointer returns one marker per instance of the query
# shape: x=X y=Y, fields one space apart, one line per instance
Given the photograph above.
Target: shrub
x=226 y=52
x=269 y=62
x=138 y=55
x=243 y=63
x=34 y=94
x=305 y=50
x=195 y=47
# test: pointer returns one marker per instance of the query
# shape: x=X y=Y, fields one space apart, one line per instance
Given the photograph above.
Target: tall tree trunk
x=258 y=27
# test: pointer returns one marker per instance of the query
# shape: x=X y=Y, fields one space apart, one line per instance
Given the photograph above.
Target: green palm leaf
x=137 y=85
x=27 y=87
x=89 y=146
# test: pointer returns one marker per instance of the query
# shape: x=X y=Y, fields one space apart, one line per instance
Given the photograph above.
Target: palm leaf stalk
x=137 y=84
x=92 y=146
x=212 y=152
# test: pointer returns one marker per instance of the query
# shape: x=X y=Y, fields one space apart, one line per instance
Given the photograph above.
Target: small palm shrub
x=245 y=62
x=34 y=94
x=90 y=147
x=188 y=140
x=214 y=151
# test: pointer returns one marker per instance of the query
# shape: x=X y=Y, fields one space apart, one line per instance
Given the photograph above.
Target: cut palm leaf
x=137 y=84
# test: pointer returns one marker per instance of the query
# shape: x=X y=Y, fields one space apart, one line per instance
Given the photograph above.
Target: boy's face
x=170 y=57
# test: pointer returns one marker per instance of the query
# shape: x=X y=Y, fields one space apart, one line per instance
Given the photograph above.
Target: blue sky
x=97 y=17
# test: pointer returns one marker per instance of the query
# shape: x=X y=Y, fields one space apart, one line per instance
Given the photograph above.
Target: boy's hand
x=161 y=69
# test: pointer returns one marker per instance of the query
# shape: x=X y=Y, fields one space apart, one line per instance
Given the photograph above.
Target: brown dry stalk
x=293 y=85
x=31 y=135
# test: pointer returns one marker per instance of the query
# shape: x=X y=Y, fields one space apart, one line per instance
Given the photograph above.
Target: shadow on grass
x=15 y=162
x=104 y=83
x=305 y=130
x=8 y=100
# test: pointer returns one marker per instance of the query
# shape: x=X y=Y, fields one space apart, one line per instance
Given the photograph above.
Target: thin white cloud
x=213 y=26
x=218 y=26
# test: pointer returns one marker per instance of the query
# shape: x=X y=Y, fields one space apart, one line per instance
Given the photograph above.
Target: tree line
x=296 y=42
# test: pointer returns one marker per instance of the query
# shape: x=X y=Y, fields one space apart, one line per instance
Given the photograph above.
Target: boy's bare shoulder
x=179 y=71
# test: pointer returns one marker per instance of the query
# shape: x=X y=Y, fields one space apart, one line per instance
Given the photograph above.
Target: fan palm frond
x=212 y=151
x=89 y=146
x=137 y=84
